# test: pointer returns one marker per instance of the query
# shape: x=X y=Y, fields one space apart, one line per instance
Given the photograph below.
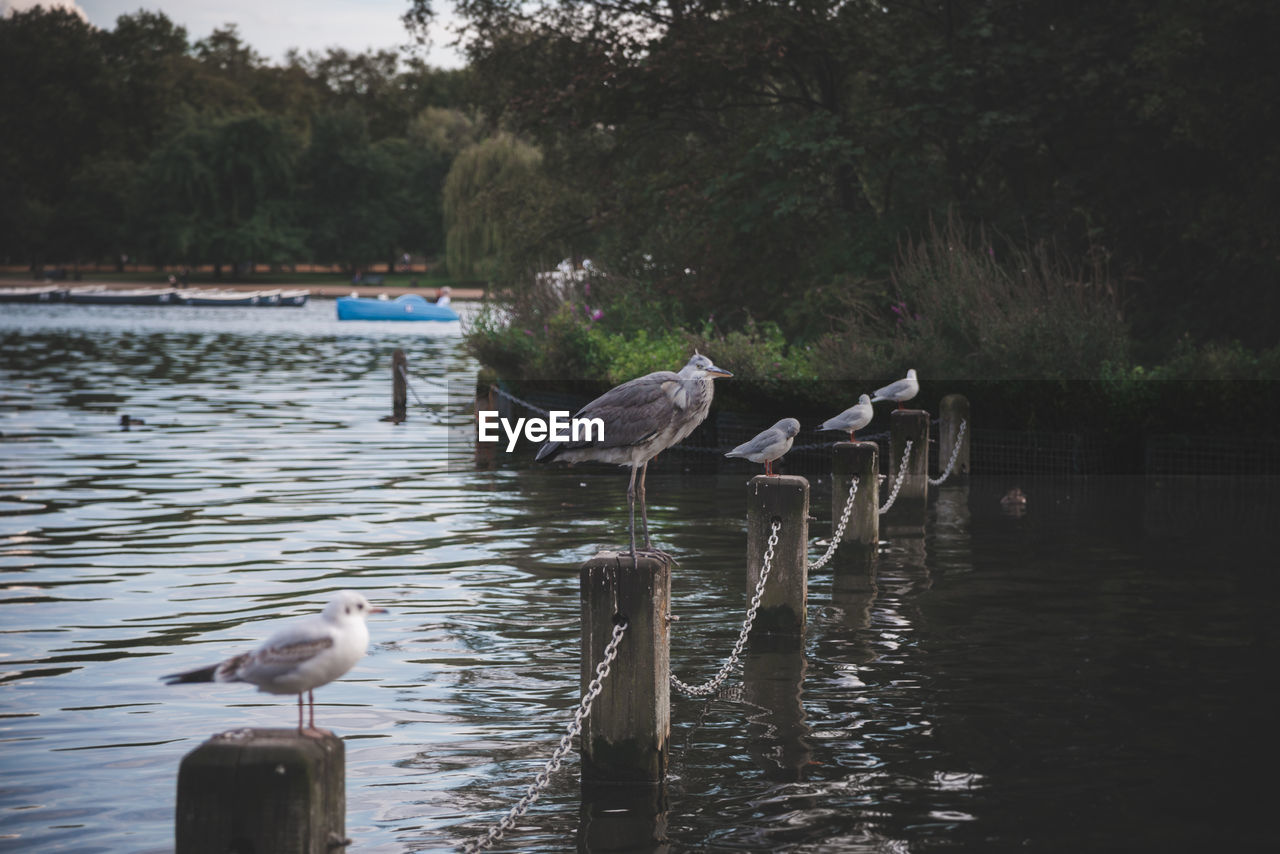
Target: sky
x=271 y=27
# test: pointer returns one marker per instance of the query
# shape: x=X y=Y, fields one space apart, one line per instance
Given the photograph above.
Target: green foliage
x=133 y=141
x=773 y=148
x=969 y=306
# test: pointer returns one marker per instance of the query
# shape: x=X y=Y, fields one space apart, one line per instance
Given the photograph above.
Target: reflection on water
x=1092 y=674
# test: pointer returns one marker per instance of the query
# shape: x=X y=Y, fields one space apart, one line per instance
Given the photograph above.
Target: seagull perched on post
x=642 y=418
x=769 y=445
x=301 y=656
x=901 y=391
x=852 y=419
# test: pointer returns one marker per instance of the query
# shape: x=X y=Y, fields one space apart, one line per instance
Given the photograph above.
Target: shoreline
x=330 y=291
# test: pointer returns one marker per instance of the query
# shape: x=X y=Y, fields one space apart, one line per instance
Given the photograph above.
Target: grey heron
x=642 y=418
x=301 y=656
x=769 y=445
x=900 y=391
x=852 y=419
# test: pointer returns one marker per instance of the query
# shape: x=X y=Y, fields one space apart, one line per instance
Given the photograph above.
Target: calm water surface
x=1096 y=674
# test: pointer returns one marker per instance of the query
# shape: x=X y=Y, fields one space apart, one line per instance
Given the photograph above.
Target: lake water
x=1096 y=674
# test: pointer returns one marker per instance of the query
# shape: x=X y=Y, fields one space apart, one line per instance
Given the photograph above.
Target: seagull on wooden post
x=769 y=445
x=301 y=656
x=852 y=419
x=900 y=391
x=642 y=418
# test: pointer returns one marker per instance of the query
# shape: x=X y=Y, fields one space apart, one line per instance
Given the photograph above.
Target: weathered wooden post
x=399 y=386
x=912 y=500
x=486 y=452
x=857 y=549
x=786 y=591
x=952 y=411
x=625 y=738
x=260 y=790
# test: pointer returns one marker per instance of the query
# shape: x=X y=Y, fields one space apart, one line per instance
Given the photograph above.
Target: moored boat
x=44 y=293
x=404 y=307
x=135 y=296
x=218 y=298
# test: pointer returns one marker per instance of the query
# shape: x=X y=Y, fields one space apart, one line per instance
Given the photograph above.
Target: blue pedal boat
x=406 y=307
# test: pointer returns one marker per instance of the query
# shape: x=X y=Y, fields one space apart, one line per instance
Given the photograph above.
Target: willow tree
x=491 y=198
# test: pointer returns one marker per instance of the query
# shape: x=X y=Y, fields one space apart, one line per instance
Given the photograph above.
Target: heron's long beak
x=718 y=372
x=379 y=611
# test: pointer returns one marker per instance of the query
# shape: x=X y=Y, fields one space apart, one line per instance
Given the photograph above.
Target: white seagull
x=769 y=445
x=902 y=390
x=301 y=656
x=852 y=419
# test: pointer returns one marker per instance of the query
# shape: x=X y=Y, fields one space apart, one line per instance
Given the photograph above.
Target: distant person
x=443 y=297
x=173 y=280
x=182 y=278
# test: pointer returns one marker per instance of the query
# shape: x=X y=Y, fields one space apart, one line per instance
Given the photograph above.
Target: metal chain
x=553 y=764
x=404 y=373
x=897 y=484
x=839 y=534
x=511 y=397
x=710 y=687
x=955 y=452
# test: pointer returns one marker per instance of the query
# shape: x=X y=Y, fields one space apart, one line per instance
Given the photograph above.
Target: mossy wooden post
x=485 y=394
x=952 y=411
x=857 y=549
x=263 y=790
x=909 y=425
x=399 y=386
x=486 y=452
x=625 y=738
x=786 y=591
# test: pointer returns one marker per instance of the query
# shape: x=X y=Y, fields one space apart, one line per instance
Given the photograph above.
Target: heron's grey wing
x=634 y=411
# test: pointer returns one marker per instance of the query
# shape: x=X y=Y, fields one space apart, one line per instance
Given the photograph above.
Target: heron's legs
x=644 y=520
x=299 y=712
x=644 y=508
x=631 y=500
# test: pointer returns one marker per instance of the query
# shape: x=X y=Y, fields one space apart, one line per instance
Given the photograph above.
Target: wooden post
x=263 y=790
x=486 y=452
x=625 y=738
x=399 y=386
x=953 y=409
x=857 y=549
x=785 y=497
x=912 y=501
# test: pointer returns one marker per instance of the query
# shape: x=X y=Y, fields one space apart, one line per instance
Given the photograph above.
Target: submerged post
x=625 y=738
x=263 y=790
x=952 y=411
x=399 y=386
x=909 y=425
x=857 y=549
x=784 y=497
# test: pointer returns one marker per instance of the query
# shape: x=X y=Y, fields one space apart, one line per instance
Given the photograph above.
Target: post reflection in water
x=623 y=819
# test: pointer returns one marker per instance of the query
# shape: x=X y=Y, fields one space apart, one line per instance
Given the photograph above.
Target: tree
x=346 y=184
x=492 y=198
x=221 y=190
